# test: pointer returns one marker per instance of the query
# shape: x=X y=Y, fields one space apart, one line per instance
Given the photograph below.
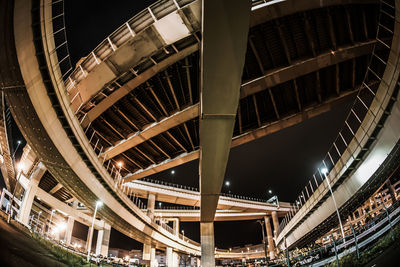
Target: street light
x=173 y=172
x=270 y=191
x=98 y=205
x=263 y=235
x=15 y=151
x=324 y=172
x=227 y=184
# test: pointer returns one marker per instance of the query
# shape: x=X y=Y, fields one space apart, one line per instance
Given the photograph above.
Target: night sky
x=282 y=162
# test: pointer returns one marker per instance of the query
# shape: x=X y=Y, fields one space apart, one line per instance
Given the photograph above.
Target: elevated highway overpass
x=72 y=124
x=371 y=152
x=182 y=196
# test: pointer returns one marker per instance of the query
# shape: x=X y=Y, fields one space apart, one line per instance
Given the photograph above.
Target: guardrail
x=357 y=239
x=339 y=150
x=60 y=65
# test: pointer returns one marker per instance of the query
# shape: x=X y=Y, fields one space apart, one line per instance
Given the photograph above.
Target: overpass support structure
x=224 y=39
x=31 y=189
x=51 y=128
x=371 y=146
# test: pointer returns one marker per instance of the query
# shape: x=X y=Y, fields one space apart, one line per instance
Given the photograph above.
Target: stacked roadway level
x=370 y=157
x=42 y=106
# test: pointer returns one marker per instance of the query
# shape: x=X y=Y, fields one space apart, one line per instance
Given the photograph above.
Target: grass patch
x=60 y=254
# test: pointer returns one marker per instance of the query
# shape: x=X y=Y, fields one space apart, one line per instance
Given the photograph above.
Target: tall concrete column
x=68 y=231
x=275 y=221
x=70 y=225
x=391 y=190
x=175 y=259
x=207 y=243
x=103 y=240
x=171 y=258
x=89 y=237
x=153 y=260
x=146 y=255
x=2 y=198
x=30 y=193
x=175 y=226
x=168 y=256
x=151 y=203
x=224 y=33
x=271 y=245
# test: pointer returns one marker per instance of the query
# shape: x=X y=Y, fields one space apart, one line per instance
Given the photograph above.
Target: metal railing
x=340 y=154
x=59 y=61
x=357 y=238
x=120 y=36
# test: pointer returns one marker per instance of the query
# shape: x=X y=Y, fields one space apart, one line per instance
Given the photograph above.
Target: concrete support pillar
x=68 y=231
x=89 y=237
x=175 y=259
x=153 y=260
x=146 y=255
x=169 y=258
x=2 y=199
x=391 y=190
x=151 y=202
x=175 y=226
x=30 y=193
x=103 y=240
x=271 y=245
x=207 y=244
x=275 y=221
x=198 y=262
x=172 y=258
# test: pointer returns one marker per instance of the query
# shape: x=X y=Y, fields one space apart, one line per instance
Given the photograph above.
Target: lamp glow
x=20 y=166
x=324 y=170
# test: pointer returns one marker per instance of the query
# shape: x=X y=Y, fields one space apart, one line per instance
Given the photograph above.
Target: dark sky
x=282 y=162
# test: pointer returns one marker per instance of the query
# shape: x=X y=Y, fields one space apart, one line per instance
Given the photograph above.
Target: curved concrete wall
x=80 y=179
x=382 y=147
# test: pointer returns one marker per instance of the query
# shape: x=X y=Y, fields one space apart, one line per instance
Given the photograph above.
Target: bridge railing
x=60 y=64
x=353 y=140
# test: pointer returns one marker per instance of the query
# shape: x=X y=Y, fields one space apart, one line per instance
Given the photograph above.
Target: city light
x=270 y=191
x=227 y=183
x=62 y=226
x=120 y=164
x=172 y=172
x=324 y=170
x=19 y=142
x=99 y=203
x=20 y=166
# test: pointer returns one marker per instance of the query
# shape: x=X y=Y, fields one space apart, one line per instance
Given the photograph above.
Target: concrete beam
x=134 y=83
x=220 y=215
x=61 y=206
x=225 y=29
x=270 y=79
x=277 y=9
x=301 y=68
x=264 y=130
x=55 y=188
x=167 y=164
x=151 y=131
